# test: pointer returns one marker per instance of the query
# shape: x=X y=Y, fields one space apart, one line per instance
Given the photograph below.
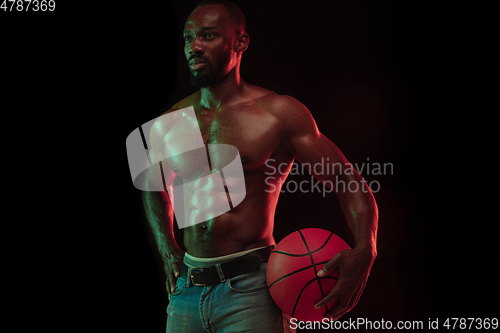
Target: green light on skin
x=214 y=128
x=353 y=214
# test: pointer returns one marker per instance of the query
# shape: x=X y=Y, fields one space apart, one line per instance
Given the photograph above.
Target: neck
x=224 y=92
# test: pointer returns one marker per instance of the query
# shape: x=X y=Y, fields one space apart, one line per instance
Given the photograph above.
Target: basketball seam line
x=300 y=270
x=315 y=271
x=300 y=294
x=306 y=254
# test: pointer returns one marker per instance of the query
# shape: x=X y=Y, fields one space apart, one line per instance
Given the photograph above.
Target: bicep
x=310 y=147
x=160 y=175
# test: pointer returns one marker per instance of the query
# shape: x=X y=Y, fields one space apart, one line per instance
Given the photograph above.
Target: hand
x=172 y=270
x=354 y=268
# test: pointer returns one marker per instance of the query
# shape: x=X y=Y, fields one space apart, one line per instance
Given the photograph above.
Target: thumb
x=331 y=265
x=177 y=270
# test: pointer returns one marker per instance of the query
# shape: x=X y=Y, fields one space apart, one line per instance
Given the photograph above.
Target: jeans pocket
x=181 y=284
x=250 y=282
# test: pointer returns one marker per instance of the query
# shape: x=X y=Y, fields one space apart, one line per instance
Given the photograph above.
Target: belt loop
x=221 y=274
x=188 y=277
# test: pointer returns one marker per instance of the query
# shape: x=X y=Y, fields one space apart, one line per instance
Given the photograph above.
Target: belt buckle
x=196 y=269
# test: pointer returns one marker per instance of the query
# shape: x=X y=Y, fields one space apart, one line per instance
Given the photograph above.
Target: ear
x=241 y=42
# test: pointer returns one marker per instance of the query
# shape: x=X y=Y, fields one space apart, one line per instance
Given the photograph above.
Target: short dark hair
x=234 y=11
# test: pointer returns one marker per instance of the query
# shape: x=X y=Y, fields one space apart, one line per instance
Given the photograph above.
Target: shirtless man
x=263 y=126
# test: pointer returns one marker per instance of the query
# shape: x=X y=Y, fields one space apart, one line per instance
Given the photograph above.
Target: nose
x=196 y=47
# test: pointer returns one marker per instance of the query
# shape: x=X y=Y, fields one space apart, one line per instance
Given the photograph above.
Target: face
x=208 y=45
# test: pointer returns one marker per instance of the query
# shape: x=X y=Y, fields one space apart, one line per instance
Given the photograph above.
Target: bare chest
x=251 y=130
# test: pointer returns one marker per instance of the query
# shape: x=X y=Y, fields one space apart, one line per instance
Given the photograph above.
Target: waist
x=193 y=261
x=211 y=271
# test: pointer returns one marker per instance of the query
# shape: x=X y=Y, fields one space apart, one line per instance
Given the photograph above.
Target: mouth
x=197 y=63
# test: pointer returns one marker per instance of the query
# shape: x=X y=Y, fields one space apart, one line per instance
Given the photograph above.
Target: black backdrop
x=389 y=82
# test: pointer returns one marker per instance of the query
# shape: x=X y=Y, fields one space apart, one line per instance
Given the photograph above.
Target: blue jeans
x=240 y=304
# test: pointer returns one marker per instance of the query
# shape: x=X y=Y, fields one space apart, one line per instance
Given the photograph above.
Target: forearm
x=160 y=215
x=361 y=214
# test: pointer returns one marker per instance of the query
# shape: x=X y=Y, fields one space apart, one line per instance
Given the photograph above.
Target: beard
x=204 y=80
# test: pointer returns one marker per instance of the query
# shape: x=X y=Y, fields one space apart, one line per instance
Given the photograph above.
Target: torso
x=253 y=128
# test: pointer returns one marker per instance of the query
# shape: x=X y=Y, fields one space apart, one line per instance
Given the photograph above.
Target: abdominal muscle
x=247 y=226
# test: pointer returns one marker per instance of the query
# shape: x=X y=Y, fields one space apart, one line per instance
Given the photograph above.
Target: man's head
x=215 y=38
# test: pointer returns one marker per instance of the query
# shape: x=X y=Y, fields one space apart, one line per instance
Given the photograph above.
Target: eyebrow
x=202 y=28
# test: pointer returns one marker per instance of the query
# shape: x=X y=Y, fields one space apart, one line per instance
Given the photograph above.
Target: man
x=268 y=130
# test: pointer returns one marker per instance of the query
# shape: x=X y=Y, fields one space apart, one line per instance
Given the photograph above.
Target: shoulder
x=281 y=106
x=291 y=113
x=286 y=105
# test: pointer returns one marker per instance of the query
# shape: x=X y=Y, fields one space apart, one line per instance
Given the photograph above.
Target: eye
x=208 y=35
x=187 y=38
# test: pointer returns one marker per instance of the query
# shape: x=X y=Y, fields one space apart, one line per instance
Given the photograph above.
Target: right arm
x=159 y=210
x=160 y=215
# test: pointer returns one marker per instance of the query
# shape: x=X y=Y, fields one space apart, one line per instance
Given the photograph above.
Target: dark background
x=389 y=82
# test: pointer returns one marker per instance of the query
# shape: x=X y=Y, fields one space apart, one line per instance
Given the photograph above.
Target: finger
x=331 y=296
x=355 y=300
x=167 y=285
x=356 y=294
x=339 y=315
x=173 y=282
x=331 y=265
x=177 y=270
x=337 y=308
x=343 y=301
x=351 y=304
x=340 y=312
x=341 y=308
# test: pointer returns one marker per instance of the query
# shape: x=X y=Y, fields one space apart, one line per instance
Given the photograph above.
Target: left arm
x=302 y=139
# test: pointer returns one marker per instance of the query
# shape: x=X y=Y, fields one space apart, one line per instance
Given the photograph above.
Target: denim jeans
x=240 y=304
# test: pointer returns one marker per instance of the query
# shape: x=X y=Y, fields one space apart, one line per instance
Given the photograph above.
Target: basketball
x=292 y=268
